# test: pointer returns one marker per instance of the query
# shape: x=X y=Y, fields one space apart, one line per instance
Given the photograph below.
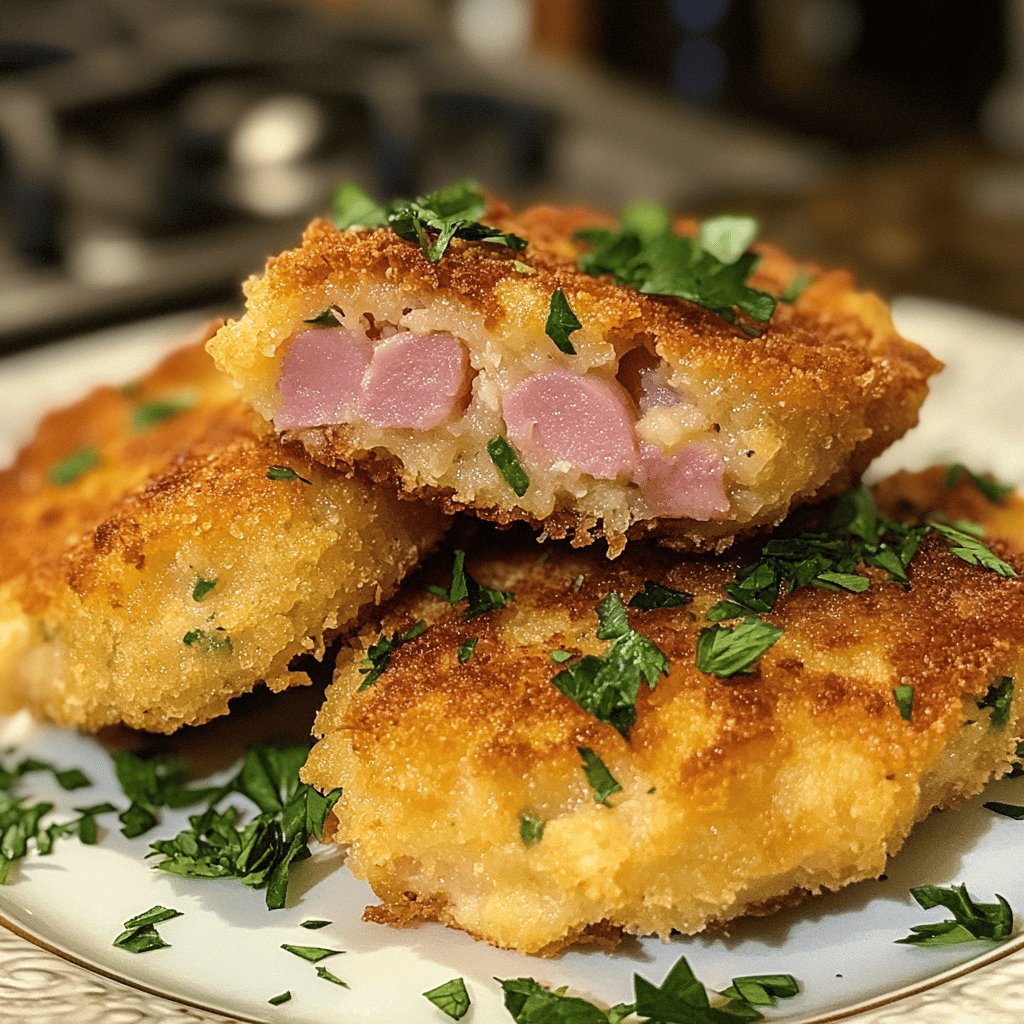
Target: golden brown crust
x=829 y=380
x=800 y=778
x=97 y=574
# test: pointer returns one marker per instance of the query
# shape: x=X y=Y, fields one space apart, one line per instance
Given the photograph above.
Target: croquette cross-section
x=160 y=554
x=554 y=771
x=539 y=384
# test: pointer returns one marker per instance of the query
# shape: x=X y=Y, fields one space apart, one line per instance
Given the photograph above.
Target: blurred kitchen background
x=154 y=152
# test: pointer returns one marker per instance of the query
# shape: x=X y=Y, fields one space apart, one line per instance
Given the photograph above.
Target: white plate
x=225 y=953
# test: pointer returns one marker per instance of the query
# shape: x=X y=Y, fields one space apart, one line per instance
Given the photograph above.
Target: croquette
x=160 y=554
x=477 y=792
x=444 y=379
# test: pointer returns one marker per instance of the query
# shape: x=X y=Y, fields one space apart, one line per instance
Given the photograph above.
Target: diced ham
x=558 y=416
x=687 y=482
x=415 y=381
x=321 y=377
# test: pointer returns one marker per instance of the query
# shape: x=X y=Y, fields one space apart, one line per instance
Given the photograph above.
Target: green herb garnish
x=993 y=489
x=710 y=271
x=523 y=268
x=726 y=652
x=283 y=997
x=608 y=686
x=528 y=1002
x=323 y=972
x=140 y=934
x=285 y=473
x=378 y=655
x=73 y=466
x=214 y=641
x=148 y=414
x=970 y=922
x=561 y=322
x=1000 y=700
x=432 y=220
x=531 y=829
x=466 y=649
x=313 y=954
x=504 y=456
x=796 y=287
x=325 y=318
x=202 y=588
x=904 y=697
x=314 y=924
x=1014 y=811
x=657 y=595
x=151 y=783
x=968 y=547
x=602 y=782
x=479 y=599
x=450 y=998
x=760 y=990
x=560 y=657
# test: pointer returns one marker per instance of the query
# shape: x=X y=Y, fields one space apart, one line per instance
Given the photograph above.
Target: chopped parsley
x=523 y=268
x=151 y=783
x=561 y=322
x=432 y=220
x=796 y=287
x=560 y=657
x=608 y=686
x=528 y=1002
x=214 y=641
x=727 y=652
x=999 y=700
x=904 y=697
x=602 y=782
x=657 y=595
x=971 y=921
x=314 y=924
x=504 y=456
x=1014 y=811
x=378 y=654
x=140 y=934
x=202 y=588
x=329 y=317
x=74 y=466
x=531 y=829
x=323 y=972
x=285 y=473
x=463 y=587
x=711 y=271
x=967 y=546
x=466 y=649
x=993 y=489
x=148 y=414
x=450 y=998
x=282 y=997
x=760 y=990
x=260 y=853
x=313 y=954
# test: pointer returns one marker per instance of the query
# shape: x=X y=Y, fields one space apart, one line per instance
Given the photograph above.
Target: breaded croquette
x=558 y=770
x=160 y=554
x=465 y=380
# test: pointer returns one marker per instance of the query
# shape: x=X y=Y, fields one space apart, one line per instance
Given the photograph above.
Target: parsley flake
x=214 y=641
x=466 y=649
x=761 y=989
x=971 y=921
x=329 y=317
x=73 y=466
x=1000 y=700
x=996 y=491
x=608 y=686
x=450 y=998
x=1014 y=811
x=283 y=997
x=904 y=697
x=504 y=456
x=285 y=473
x=726 y=652
x=531 y=829
x=523 y=268
x=657 y=595
x=432 y=220
x=140 y=934
x=314 y=924
x=479 y=599
x=149 y=414
x=151 y=783
x=602 y=782
x=560 y=657
x=202 y=588
x=313 y=954
x=323 y=972
x=561 y=322
x=797 y=287
x=968 y=547
x=528 y=1002
x=378 y=655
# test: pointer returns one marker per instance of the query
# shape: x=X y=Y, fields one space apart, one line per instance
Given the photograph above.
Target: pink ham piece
x=587 y=422
x=415 y=381
x=686 y=483
x=321 y=377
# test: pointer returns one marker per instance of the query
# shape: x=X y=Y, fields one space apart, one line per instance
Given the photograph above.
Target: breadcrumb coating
x=103 y=617
x=738 y=795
